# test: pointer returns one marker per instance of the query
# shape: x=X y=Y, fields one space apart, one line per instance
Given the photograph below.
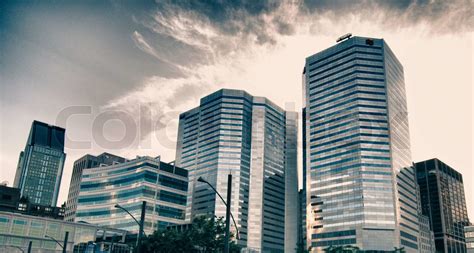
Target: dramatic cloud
x=441 y=16
x=216 y=43
x=155 y=59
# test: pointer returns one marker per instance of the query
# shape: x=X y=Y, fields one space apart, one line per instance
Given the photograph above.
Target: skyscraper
x=162 y=185
x=443 y=201
x=40 y=166
x=254 y=140
x=360 y=186
x=85 y=162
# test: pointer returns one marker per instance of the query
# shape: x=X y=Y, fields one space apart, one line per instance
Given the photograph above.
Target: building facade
x=85 y=162
x=163 y=186
x=360 y=186
x=443 y=201
x=17 y=230
x=301 y=222
x=254 y=140
x=426 y=240
x=9 y=198
x=12 y=202
x=469 y=234
x=40 y=166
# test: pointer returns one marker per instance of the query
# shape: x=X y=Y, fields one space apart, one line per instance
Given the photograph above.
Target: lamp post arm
x=125 y=210
x=47 y=236
x=16 y=247
x=225 y=203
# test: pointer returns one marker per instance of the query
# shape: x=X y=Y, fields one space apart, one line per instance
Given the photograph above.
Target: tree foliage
x=354 y=249
x=205 y=235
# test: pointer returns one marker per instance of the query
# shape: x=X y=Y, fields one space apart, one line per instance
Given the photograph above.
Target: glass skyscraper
x=443 y=201
x=40 y=166
x=163 y=186
x=360 y=186
x=85 y=162
x=254 y=140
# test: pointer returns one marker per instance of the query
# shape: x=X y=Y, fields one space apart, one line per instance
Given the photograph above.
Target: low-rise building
x=10 y=201
x=162 y=185
x=9 y=198
x=18 y=230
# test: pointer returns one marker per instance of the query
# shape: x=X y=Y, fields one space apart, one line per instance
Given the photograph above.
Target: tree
x=342 y=249
x=205 y=235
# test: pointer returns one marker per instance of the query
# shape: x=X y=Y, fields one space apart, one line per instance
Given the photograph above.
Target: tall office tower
x=255 y=141
x=40 y=166
x=361 y=188
x=443 y=201
x=163 y=186
x=85 y=162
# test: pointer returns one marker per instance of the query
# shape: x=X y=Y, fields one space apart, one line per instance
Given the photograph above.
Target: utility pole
x=227 y=214
x=142 y=223
x=29 y=246
x=65 y=242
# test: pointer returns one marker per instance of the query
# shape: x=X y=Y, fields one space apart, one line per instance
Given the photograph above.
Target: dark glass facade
x=443 y=201
x=85 y=162
x=10 y=201
x=9 y=198
x=40 y=166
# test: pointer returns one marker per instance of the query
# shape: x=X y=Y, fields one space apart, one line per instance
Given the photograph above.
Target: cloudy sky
x=116 y=74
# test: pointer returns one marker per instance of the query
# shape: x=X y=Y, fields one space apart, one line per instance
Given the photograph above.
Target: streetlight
x=64 y=245
x=16 y=247
x=228 y=212
x=140 y=224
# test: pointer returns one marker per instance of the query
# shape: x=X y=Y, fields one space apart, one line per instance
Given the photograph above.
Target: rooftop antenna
x=343 y=37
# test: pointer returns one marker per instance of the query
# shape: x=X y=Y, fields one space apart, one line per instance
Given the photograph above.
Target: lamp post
x=16 y=247
x=228 y=212
x=140 y=223
x=64 y=245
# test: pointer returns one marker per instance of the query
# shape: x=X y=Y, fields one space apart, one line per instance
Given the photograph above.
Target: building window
x=4 y=222
x=19 y=227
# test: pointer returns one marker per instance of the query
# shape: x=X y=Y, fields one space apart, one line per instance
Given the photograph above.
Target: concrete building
x=426 y=240
x=254 y=140
x=17 y=230
x=359 y=184
x=85 y=162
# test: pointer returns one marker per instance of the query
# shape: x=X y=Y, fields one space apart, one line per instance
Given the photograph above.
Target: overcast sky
x=84 y=65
